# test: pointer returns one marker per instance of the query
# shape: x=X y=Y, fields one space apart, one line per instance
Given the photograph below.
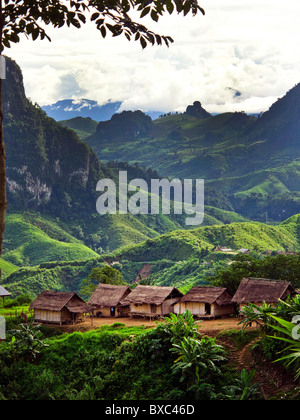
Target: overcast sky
x=241 y=56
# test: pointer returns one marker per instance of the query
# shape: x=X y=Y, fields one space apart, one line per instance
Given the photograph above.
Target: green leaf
x=95 y=16
x=154 y=16
x=145 y=11
x=143 y=43
x=103 y=31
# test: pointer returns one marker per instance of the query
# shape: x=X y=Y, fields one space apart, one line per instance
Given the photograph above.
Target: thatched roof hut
x=152 y=301
x=4 y=293
x=257 y=291
x=107 y=298
x=205 y=302
x=58 y=307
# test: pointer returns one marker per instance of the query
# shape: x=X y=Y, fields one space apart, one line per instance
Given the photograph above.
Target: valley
x=55 y=239
x=54 y=236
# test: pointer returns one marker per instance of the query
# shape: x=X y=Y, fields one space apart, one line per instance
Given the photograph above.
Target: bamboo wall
x=198 y=309
x=120 y=311
x=145 y=309
x=47 y=316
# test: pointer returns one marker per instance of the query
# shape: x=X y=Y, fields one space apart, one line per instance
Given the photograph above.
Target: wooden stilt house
x=59 y=307
x=106 y=300
x=206 y=302
x=152 y=301
x=258 y=291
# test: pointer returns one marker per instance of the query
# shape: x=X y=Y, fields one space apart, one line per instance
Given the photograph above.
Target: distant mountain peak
x=196 y=110
x=71 y=108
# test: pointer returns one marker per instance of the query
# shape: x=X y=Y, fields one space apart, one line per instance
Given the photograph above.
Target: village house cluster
x=155 y=302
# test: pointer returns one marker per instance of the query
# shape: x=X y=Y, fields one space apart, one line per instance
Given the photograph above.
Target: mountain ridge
x=235 y=153
x=52 y=172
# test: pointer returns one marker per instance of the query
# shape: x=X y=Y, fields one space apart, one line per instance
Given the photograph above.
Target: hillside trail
x=272 y=377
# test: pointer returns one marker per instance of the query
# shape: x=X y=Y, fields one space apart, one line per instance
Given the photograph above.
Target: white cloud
x=249 y=46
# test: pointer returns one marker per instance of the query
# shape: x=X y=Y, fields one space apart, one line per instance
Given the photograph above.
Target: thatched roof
x=56 y=301
x=262 y=290
x=4 y=292
x=154 y=295
x=218 y=295
x=109 y=295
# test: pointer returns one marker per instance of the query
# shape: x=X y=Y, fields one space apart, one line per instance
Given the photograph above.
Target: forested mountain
x=48 y=167
x=251 y=165
x=52 y=224
x=83 y=127
x=52 y=172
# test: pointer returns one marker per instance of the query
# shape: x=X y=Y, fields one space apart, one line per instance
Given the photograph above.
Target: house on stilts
x=106 y=300
x=206 y=302
x=258 y=291
x=3 y=294
x=152 y=301
x=59 y=307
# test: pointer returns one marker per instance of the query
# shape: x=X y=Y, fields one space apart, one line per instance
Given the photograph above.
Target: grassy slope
x=33 y=240
x=180 y=258
x=181 y=245
x=7 y=268
x=84 y=127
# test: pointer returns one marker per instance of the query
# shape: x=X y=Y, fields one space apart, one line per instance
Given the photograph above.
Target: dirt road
x=211 y=325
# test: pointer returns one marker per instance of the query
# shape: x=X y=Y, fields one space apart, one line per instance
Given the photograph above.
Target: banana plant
x=26 y=342
x=198 y=359
x=256 y=314
x=291 y=336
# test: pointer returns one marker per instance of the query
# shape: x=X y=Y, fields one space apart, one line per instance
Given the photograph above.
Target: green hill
x=182 y=245
x=83 y=127
x=180 y=258
x=31 y=240
x=7 y=268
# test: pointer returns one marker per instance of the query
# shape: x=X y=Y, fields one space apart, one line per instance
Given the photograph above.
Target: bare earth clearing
x=204 y=326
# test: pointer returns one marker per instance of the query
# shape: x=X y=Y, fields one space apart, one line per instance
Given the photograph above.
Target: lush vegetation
x=171 y=361
x=181 y=258
x=280 y=327
x=103 y=275
x=280 y=267
x=31 y=240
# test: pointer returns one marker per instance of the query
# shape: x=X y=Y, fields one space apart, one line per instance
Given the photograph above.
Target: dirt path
x=215 y=325
x=271 y=377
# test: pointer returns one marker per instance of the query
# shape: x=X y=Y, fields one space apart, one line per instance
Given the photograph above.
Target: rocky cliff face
x=48 y=168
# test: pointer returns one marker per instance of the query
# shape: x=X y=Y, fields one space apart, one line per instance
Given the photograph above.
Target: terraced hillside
x=179 y=258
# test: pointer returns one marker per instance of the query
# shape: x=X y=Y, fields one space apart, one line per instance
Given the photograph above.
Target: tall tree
x=30 y=17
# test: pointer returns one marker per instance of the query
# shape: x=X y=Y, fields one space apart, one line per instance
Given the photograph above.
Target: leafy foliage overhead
x=28 y=16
